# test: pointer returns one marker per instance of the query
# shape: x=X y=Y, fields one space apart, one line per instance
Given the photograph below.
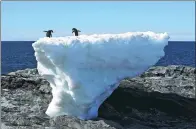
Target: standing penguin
x=49 y=33
x=75 y=31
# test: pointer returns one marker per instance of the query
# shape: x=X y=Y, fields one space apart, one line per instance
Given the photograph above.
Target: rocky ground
x=161 y=98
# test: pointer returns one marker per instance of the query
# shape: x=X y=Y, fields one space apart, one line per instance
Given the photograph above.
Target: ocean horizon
x=18 y=55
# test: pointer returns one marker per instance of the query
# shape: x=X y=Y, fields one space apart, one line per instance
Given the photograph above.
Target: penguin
x=75 y=31
x=49 y=33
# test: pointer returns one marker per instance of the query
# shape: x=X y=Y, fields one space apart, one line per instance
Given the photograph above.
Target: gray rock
x=160 y=98
x=172 y=79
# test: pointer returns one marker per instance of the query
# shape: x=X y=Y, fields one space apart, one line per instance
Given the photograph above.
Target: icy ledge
x=83 y=71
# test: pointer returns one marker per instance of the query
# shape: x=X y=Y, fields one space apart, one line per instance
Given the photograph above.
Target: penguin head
x=74 y=29
x=50 y=31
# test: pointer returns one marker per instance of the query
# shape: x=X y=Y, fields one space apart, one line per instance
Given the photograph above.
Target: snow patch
x=83 y=71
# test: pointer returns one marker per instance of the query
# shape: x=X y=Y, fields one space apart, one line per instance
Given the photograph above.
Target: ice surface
x=83 y=71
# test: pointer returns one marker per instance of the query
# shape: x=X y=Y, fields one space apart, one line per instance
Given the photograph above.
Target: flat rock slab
x=160 y=98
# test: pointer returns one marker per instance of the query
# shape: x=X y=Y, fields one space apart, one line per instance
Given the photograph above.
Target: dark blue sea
x=17 y=55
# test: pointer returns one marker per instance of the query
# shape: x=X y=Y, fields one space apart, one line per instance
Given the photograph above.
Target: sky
x=26 y=21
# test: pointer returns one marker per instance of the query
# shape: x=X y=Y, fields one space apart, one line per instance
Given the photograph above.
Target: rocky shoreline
x=160 y=98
